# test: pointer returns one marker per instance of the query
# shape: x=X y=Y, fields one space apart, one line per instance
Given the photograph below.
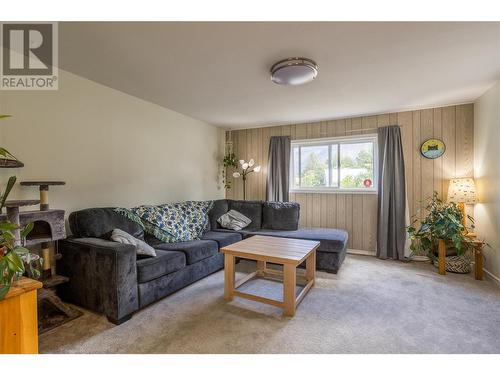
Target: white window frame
x=362 y=138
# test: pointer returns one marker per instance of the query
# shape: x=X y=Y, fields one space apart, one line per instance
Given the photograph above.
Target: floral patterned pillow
x=172 y=222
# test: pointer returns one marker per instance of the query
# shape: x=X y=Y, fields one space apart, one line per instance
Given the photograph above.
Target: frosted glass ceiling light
x=294 y=71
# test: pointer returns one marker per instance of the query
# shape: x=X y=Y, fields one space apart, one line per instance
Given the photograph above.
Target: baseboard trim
x=490 y=276
x=361 y=252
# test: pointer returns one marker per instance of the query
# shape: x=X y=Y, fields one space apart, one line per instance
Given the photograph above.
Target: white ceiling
x=219 y=72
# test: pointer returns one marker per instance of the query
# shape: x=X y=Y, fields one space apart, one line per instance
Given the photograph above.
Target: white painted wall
x=487 y=174
x=112 y=149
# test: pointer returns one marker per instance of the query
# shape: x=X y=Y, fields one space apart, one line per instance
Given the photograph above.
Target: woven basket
x=457 y=263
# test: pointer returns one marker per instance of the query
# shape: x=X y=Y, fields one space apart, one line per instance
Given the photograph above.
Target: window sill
x=334 y=191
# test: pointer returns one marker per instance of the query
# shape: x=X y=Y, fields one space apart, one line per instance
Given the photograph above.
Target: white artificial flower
x=236 y=174
x=257 y=169
x=242 y=162
x=251 y=162
x=245 y=166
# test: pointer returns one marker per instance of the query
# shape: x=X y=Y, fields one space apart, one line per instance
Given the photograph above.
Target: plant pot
x=450 y=250
x=33 y=265
x=420 y=258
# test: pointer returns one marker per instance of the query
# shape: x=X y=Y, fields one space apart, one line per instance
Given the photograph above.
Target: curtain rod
x=362 y=130
x=347 y=131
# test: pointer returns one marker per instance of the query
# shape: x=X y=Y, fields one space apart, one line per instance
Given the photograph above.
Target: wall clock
x=433 y=148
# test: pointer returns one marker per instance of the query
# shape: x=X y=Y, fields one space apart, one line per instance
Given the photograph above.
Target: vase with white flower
x=247 y=167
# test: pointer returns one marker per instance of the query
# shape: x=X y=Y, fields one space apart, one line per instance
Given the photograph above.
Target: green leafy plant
x=443 y=221
x=6 y=154
x=3 y=152
x=11 y=253
x=229 y=161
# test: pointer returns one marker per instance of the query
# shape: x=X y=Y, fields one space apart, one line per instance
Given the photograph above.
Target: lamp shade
x=462 y=190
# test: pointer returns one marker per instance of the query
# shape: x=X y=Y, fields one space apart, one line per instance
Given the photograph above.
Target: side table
x=478 y=258
x=18 y=318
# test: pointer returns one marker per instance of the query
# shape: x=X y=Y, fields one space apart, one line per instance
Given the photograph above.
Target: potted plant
x=228 y=162
x=7 y=160
x=11 y=254
x=443 y=222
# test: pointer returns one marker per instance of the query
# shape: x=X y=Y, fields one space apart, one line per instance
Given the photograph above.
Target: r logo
x=30 y=49
x=29 y=56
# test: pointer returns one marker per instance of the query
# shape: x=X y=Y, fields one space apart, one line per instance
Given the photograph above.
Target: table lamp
x=462 y=191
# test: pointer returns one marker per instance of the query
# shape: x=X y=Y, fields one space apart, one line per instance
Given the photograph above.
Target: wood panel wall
x=356 y=213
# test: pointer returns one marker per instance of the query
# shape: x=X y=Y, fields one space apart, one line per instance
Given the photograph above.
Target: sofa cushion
x=165 y=262
x=251 y=209
x=219 y=208
x=194 y=250
x=243 y=233
x=280 y=215
x=222 y=238
x=331 y=240
x=100 y=222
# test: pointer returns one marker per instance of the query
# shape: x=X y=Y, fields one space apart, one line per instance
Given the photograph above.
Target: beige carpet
x=370 y=306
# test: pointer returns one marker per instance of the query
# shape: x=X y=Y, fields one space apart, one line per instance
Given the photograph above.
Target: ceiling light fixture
x=294 y=71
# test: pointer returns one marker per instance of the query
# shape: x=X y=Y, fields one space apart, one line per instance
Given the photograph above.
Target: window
x=334 y=164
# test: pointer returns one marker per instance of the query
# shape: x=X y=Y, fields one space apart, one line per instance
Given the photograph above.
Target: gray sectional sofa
x=108 y=277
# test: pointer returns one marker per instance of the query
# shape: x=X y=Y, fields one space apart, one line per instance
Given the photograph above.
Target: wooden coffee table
x=287 y=252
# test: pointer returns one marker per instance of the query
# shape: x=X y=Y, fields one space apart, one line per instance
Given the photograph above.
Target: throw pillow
x=234 y=220
x=142 y=248
x=173 y=222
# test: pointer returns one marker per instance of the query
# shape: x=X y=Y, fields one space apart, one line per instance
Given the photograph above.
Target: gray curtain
x=278 y=169
x=391 y=227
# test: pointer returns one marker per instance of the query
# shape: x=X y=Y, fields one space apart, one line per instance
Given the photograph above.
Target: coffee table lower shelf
x=288 y=276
